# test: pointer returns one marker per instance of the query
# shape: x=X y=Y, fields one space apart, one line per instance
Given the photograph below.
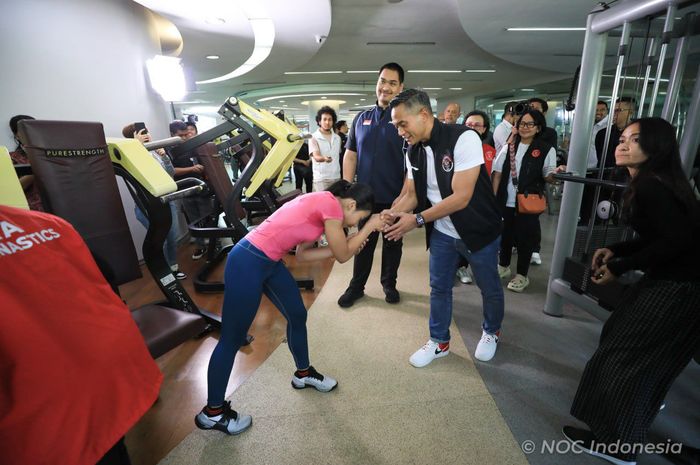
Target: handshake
x=393 y=224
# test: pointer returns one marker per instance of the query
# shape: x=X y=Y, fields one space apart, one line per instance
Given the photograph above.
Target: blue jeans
x=248 y=275
x=170 y=246
x=445 y=252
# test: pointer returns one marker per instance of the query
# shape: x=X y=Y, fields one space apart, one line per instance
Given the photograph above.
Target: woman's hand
x=600 y=258
x=375 y=222
x=387 y=217
x=603 y=276
x=142 y=136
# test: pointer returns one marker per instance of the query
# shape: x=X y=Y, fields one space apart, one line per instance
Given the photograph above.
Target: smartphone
x=139 y=127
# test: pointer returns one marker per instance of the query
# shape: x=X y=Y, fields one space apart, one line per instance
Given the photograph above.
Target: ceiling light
x=434 y=71
x=324 y=97
x=339 y=102
x=167 y=77
x=282 y=101
x=432 y=88
x=455 y=88
x=362 y=72
x=479 y=70
x=264 y=33
x=544 y=29
x=527 y=90
x=265 y=99
x=212 y=57
x=362 y=99
x=312 y=72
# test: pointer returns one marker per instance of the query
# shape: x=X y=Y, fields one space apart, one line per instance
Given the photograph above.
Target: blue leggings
x=250 y=273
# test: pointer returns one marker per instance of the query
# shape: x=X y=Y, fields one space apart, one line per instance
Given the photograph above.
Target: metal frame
x=598 y=25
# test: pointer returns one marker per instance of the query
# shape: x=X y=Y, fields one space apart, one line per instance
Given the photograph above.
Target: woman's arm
x=344 y=248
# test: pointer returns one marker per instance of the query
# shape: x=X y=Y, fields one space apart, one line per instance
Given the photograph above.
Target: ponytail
x=361 y=193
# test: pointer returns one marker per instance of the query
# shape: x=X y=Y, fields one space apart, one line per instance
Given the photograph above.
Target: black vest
x=530 y=178
x=479 y=223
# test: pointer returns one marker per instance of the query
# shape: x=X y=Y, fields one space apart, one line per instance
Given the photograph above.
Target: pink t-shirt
x=301 y=220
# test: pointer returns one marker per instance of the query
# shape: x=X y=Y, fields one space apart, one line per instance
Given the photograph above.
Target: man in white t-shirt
x=324 y=148
x=449 y=187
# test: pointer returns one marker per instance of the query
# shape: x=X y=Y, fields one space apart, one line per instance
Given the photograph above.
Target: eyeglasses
x=527 y=124
x=473 y=125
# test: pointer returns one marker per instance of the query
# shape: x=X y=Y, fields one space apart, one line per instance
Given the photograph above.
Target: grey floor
x=540 y=358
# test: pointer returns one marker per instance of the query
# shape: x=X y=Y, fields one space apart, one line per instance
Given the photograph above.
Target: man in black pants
x=375 y=154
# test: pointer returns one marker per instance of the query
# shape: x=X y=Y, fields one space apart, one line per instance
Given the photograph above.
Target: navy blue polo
x=380 y=156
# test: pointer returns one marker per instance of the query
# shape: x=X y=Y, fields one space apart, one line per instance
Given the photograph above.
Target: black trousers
x=391 y=259
x=645 y=344
x=304 y=174
x=523 y=231
x=117 y=455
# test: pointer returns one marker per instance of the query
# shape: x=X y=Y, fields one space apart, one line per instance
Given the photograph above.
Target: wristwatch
x=419 y=220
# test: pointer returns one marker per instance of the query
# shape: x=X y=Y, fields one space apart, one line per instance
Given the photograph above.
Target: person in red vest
x=75 y=373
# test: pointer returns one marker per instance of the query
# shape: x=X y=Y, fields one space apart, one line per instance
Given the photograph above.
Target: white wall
x=81 y=60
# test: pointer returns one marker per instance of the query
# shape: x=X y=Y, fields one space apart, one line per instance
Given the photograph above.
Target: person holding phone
x=654 y=332
x=139 y=132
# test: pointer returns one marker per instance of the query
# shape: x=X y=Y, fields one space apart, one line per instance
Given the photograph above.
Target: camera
x=519 y=108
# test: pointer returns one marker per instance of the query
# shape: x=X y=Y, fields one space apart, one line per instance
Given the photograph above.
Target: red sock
x=443 y=345
x=302 y=373
x=213 y=411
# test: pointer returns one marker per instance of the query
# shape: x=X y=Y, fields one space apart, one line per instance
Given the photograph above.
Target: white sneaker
x=503 y=271
x=536 y=259
x=426 y=354
x=228 y=421
x=463 y=275
x=486 y=348
x=315 y=380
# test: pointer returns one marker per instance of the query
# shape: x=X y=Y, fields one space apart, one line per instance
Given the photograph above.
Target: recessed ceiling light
x=434 y=71
x=282 y=101
x=455 y=88
x=432 y=88
x=212 y=57
x=312 y=72
x=324 y=97
x=544 y=29
x=527 y=90
x=362 y=99
x=479 y=70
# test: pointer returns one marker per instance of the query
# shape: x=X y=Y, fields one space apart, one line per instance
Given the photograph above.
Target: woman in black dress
x=650 y=338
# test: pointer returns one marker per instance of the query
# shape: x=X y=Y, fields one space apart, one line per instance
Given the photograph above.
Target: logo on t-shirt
x=367 y=122
x=447 y=163
x=536 y=153
x=14 y=239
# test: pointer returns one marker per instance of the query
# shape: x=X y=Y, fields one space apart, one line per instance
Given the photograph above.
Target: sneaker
x=349 y=297
x=179 y=275
x=315 y=380
x=536 y=259
x=392 y=295
x=486 y=348
x=519 y=283
x=503 y=271
x=228 y=421
x=463 y=275
x=585 y=440
x=198 y=253
x=429 y=352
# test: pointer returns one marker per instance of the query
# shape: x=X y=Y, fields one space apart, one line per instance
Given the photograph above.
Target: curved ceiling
x=362 y=35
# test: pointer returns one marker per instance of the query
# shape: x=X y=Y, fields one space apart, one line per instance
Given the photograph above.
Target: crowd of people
x=479 y=196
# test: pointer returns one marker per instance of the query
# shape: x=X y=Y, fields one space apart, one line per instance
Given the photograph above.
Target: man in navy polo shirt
x=374 y=152
x=450 y=191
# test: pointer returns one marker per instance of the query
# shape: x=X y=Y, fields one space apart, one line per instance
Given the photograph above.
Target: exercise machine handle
x=296 y=137
x=163 y=143
x=186 y=187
